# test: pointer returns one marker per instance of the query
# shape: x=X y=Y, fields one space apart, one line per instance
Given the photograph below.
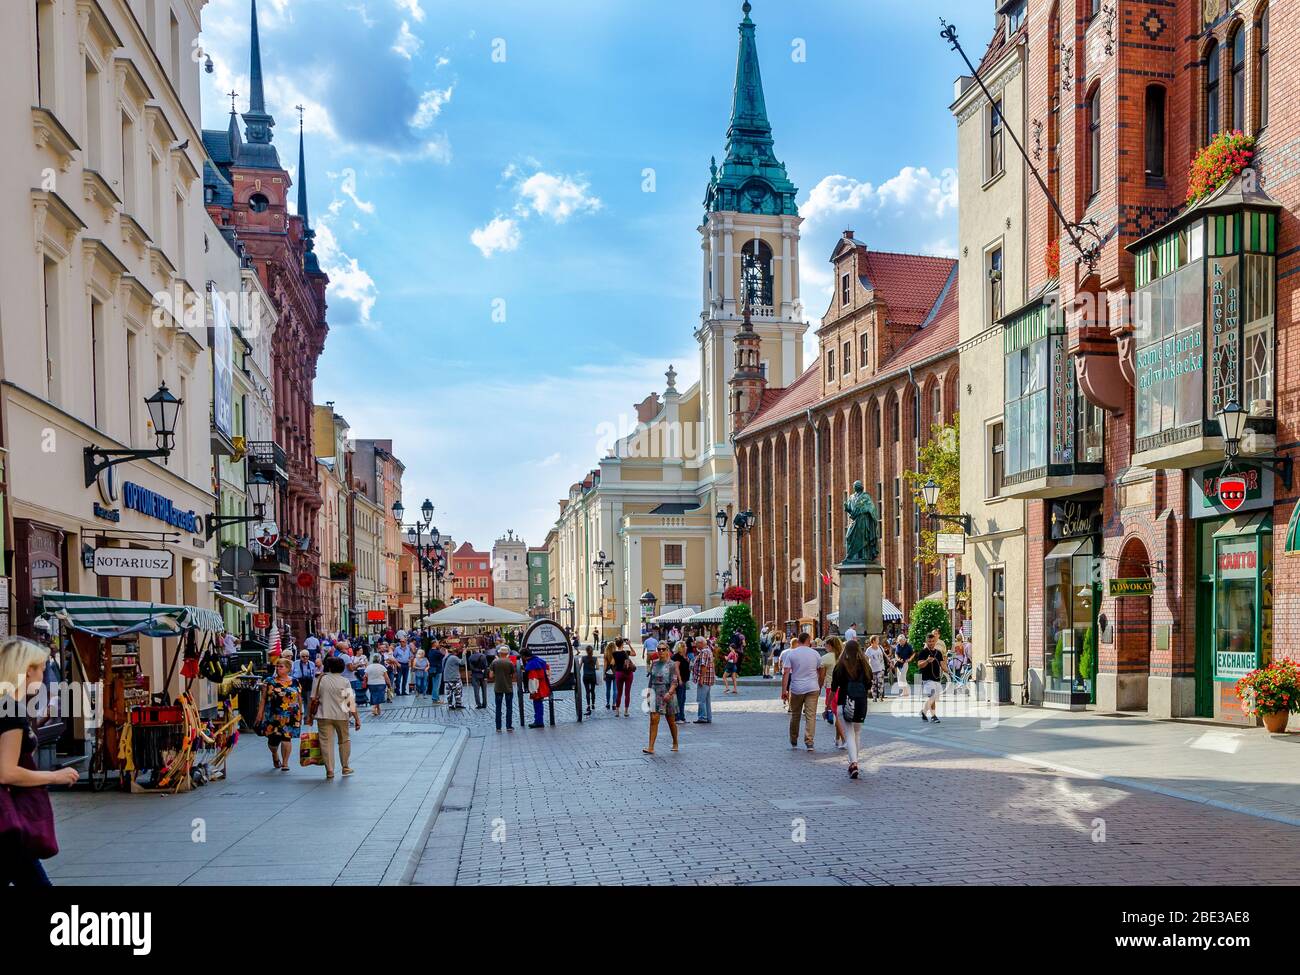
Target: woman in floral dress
x=664 y=678
x=279 y=716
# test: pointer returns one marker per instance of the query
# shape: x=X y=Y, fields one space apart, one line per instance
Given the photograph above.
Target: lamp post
x=260 y=492
x=741 y=525
x=930 y=495
x=1232 y=424
x=164 y=409
x=415 y=535
x=603 y=567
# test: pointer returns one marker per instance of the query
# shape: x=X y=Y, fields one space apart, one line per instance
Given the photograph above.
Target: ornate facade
x=251 y=194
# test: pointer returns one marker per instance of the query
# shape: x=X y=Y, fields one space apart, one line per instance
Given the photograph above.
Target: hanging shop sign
x=261 y=621
x=154 y=505
x=950 y=543
x=1072 y=518
x=1131 y=587
x=134 y=563
x=1217 y=492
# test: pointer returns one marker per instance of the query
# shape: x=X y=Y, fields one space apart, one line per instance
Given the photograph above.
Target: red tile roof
x=909 y=284
x=940 y=335
x=781 y=404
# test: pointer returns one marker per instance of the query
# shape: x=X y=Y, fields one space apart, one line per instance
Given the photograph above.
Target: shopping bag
x=309 y=752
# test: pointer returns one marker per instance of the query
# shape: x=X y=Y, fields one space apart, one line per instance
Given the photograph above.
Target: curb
x=402 y=867
x=1094 y=776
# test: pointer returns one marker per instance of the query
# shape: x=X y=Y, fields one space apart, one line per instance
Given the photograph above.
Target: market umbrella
x=471 y=612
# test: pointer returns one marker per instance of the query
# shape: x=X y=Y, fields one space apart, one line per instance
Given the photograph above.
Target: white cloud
x=348 y=187
x=411 y=7
x=348 y=280
x=554 y=195
x=430 y=107
x=913 y=189
x=499 y=234
x=407 y=44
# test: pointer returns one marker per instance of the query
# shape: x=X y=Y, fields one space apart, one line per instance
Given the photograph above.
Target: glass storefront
x=1243 y=595
x=1071 y=594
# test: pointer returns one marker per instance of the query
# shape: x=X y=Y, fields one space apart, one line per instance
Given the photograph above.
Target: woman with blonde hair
x=26 y=819
x=611 y=672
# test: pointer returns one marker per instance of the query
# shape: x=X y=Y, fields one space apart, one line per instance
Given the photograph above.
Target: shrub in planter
x=739 y=617
x=1058 y=658
x=1088 y=659
x=1271 y=690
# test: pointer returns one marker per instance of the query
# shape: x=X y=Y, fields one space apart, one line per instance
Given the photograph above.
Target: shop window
x=1237 y=79
x=1262 y=32
x=1155 y=132
x=1070 y=596
x=998 y=610
x=1211 y=91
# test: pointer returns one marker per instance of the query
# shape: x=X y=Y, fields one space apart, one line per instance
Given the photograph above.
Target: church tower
x=749 y=243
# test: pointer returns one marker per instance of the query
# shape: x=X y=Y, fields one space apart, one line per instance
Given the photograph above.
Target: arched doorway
x=1132 y=632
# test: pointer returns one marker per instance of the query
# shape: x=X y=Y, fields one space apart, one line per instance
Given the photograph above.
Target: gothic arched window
x=756 y=276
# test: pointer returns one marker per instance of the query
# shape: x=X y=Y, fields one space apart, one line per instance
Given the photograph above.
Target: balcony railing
x=269 y=561
x=267 y=458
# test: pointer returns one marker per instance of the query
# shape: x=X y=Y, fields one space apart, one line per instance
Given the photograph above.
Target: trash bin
x=1002 y=677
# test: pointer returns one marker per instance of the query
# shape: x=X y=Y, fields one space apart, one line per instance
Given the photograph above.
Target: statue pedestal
x=862 y=591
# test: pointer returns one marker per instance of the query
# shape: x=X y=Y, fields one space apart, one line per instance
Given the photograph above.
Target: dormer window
x=1015 y=17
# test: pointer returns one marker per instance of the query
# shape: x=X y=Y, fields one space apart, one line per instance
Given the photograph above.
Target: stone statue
x=862 y=539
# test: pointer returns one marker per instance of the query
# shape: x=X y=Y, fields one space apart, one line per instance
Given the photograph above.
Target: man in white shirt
x=851 y=633
x=801 y=680
x=311 y=645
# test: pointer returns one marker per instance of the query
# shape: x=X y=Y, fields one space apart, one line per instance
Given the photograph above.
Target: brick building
x=247 y=189
x=1159 y=314
x=886 y=374
x=471 y=574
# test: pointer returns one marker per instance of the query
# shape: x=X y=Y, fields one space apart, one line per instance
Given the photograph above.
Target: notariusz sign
x=154 y=505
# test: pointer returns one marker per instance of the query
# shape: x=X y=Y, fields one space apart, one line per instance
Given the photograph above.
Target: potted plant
x=736 y=594
x=1272 y=692
x=1226 y=155
x=341 y=570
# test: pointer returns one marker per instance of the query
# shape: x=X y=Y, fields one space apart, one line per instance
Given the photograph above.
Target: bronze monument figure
x=862 y=538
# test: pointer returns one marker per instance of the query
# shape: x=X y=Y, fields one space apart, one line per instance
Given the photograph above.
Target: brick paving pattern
x=582 y=805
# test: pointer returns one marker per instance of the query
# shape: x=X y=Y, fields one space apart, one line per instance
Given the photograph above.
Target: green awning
x=1293 y=532
x=106 y=617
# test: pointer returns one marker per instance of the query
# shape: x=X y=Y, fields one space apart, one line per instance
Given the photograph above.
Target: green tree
x=927 y=615
x=739 y=617
x=940 y=459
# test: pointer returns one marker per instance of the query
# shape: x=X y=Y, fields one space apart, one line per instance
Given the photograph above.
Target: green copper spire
x=751 y=178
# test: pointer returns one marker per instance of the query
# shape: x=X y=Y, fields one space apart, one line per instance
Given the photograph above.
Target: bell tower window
x=258 y=202
x=756 y=276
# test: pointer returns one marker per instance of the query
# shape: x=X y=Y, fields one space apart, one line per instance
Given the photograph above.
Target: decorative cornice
x=995 y=87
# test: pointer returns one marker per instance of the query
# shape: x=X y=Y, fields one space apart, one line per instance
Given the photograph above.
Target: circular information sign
x=547 y=639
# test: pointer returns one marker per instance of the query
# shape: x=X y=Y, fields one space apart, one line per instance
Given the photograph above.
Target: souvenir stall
x=135 y=730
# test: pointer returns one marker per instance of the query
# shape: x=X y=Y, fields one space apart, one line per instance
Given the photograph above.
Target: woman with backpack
x=849 y=683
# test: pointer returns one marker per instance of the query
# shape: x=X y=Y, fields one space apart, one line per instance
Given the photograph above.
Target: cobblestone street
x=737 y=806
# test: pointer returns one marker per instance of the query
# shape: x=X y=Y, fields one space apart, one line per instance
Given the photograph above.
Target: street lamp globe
x=410 y=535
x=259 y=492
x=399 y=510
x=164 y=408
x=436 y=537
x=1232 y=423
x=930 y=493
x=426 y=509
x=721 y=518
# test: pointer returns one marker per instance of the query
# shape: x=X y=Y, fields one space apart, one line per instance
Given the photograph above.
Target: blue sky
x=501 y=281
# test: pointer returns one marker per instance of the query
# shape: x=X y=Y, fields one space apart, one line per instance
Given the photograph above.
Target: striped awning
x=889 y=613
x=676 y=615
x=106 y=617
